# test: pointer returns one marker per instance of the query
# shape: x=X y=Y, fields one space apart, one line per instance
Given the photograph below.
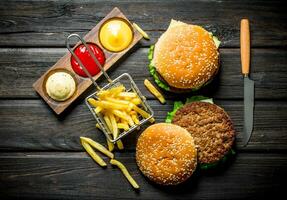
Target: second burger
x=185 y=58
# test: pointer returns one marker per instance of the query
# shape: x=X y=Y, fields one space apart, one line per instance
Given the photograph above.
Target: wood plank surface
x=48 y=23
x=31 y=125
x=76 y=176
x=20 y=67
x=40 y=153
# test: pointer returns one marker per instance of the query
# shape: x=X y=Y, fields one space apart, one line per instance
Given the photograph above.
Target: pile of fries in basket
x=120 y=109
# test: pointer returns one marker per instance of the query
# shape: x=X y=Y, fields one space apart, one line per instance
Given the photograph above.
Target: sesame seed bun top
x=166 y=154
x=186 y=56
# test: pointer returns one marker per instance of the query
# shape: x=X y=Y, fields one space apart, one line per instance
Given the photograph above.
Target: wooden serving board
x=82 y=82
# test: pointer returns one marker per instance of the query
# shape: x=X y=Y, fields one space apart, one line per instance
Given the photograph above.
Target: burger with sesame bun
x=185 y=58
x=166 y=154
x=209 y=125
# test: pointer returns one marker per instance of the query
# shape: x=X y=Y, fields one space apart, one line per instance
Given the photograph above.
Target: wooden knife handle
x=245 y=46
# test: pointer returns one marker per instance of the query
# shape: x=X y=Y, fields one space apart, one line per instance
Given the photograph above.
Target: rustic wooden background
x=40 y=153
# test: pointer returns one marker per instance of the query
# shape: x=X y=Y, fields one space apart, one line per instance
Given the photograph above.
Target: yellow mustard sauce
x=116 y=35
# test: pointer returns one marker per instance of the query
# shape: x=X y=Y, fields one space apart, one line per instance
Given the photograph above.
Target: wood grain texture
x=40 y=153
x=20 y=67
x=77 y=176
x=64 y=63
x=48 y=23
x=30 y=125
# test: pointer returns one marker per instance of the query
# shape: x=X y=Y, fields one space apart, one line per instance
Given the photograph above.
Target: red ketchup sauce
x=87 y=60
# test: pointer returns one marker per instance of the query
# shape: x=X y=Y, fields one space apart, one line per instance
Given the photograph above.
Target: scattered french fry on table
x=98 y=146
x=154 y=91
x=144 y=34
x=93 y=154
x=125 y=172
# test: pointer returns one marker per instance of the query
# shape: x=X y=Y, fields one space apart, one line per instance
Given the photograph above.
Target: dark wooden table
x=40 y=153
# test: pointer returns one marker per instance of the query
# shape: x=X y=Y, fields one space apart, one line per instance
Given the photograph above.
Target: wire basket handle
x=80 y=62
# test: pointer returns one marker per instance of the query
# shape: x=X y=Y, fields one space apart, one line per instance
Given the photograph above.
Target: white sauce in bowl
x=60 y=86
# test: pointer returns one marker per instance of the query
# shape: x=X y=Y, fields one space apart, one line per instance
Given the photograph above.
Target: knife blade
x=248 y=83
x=248 y=109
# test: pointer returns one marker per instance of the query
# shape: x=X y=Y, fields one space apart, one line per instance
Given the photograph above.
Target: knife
x=248 y=83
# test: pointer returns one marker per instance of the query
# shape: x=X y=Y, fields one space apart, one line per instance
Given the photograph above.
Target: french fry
x=93 y=154
x=136 y=101
x=120 y=145
x=127 y=95
x=125 y=172
x=109 y=105
x=129 y=120
x=98 y=109
x=117 y=101
x=124 y=122
x=152 y=120
x=114 y=129
x=117 y=118
x=116 y=90
x=97 y=146
x=123 y=126
x=98 y=126
x=110 y=126
x=120 y=114
x=92 y=101
x=133 y=112
x=135 y=119
x=111 y=145
x=142 y=113
x=130 y=107
x=142 y=32
x=114 y=125
x=111 y=92
x=154 y=91
x=108 y=122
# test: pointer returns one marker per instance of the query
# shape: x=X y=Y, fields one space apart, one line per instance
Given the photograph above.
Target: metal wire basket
x=124 y=79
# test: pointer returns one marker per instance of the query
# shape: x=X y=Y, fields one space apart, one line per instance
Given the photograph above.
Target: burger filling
x=177 y=105
x=152 y=71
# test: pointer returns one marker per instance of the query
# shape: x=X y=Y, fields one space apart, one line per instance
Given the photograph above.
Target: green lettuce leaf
x=206 y=166
x=215 y=39
x=170 y=115
x=150 y=53
x=199 y=98
x=178 y=104
x=152 y=70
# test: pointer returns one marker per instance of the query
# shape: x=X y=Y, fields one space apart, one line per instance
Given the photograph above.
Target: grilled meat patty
x=211 y=128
